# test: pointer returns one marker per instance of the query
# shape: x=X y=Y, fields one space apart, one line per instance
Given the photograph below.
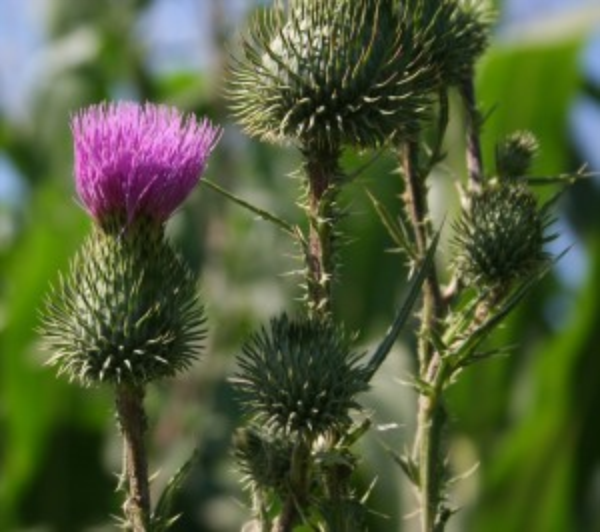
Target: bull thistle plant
x=128 y=312
x=322 y=76
x=325 y=76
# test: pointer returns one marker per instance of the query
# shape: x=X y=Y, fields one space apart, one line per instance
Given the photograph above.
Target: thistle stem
x=473 y=131
x=415 y=199
x=428 y=451
x=430 y=417
x=322 y=176
x=132 y=422
x=290 y=514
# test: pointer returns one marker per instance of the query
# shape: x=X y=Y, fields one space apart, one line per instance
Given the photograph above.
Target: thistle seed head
x=328 y=73
x=128 y=311
x=500 y=238
x=300 y=377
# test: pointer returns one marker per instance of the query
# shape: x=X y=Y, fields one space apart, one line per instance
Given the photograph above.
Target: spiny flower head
x=328 y=73
x=499 y=238
x=127 y=312
x=137 y=161
x=456 y=32
x=300 y=377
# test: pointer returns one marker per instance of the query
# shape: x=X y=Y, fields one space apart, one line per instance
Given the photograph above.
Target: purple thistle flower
x=138 y=161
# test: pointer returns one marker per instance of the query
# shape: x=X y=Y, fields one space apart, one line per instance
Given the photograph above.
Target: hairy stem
x=322 y=176
x=415 y=199
x=428 y=449
x=473 y=131
x=298 y=487
x=430 y=417
x=132 y=421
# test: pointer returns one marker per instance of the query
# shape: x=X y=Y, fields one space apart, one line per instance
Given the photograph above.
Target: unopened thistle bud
x=330 y=73
x=456 y=32
x=264 y=459
x=128 y=310
x=515 y=154
x=499 y=239
x=300 y=377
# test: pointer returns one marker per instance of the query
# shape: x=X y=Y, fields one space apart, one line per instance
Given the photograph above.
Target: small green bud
x=328 y=73
x=515 y=154
x=127 y=312
x=499 y=239
x=300 y=377
x=456 y=32
x=264 y=459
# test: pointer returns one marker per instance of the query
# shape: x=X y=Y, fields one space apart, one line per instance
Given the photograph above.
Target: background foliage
x=530 y=419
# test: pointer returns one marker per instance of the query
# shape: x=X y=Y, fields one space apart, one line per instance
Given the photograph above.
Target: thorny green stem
x=290 y=514
x=428 y=451
x=415 y=199
x=132 y=422
x=431 y=415
x=322 y=176
x=473 y=129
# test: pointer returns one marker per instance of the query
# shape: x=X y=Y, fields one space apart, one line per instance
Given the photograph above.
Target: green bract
x=128 y=310
x=328 y=73
x=499 y=239
x=300 y=377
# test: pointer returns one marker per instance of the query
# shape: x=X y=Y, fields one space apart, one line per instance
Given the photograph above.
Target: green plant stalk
x=430 y=416
x=473 y=132
x=322 y=180
x=290 y=513
x=415 y=200
x=428 y=448
x=132 y=421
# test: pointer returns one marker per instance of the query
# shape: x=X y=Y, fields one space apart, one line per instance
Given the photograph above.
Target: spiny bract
x=300 y=377
x=128 y=311
x=500 y=238
x=329 y=73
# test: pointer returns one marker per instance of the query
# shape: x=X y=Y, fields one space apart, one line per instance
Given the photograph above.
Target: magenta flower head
x=137 y=161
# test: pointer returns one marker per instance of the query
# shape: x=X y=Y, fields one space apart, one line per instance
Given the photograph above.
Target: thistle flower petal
x=138 y=161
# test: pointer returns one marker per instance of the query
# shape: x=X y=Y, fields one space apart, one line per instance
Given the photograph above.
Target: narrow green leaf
x=405 y=309
x=163 y=517
x=406 y=463
x=394 y=227
x=261 y=213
